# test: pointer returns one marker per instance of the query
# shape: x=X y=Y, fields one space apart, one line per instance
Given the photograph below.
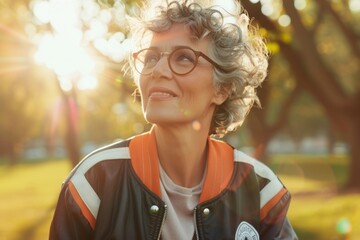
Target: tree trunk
x=353 y=139
x=71 y=120
x=71 y=134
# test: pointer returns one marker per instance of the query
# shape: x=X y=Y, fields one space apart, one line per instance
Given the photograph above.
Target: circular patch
x=245 y=231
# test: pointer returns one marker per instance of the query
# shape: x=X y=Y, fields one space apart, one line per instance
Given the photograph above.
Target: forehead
x=177 y=35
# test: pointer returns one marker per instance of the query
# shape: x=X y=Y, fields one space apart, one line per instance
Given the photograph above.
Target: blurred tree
x=22 y=108
x=97 y=30
x=110 y=112
x=323 y=57
x=34 y=103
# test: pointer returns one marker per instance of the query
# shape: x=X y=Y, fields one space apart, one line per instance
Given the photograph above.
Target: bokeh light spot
x=196 y=125
x=300 y=4
x=354 y=5
x=284 y=20
x=343 y=226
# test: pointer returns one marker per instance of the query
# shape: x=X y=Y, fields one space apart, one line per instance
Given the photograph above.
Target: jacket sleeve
x=69 y=221
x=274 y=222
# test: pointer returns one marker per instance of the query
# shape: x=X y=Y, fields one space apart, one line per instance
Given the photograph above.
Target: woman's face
x=169 y=99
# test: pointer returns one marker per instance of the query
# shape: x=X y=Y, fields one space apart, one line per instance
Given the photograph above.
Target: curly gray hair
x=234 y=43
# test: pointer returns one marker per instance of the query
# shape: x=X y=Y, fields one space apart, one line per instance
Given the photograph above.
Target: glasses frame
x=197 y=55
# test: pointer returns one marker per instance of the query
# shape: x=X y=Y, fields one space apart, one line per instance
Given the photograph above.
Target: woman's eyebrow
x=154 y=48
x=157 y=48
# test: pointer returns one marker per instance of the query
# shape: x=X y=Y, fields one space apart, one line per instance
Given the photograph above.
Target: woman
x=196 y=69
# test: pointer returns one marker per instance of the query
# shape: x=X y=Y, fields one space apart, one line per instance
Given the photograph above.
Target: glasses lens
x=182 y=60
x=145 y=60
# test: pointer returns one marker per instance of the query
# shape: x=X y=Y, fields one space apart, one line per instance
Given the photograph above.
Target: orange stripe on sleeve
x=84 y=209
x=269 y=205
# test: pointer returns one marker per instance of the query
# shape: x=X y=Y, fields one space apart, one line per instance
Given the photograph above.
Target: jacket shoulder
x=84 y=180
x=271 y=188
x=115 y=151
x=260 y=168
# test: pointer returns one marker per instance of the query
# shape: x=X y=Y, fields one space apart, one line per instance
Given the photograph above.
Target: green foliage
x=336 y=53
x=281 y=84
x=25 y=96
x=307 y=118
x=109 y=113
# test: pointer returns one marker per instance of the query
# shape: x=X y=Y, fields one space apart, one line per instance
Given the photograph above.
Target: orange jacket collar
x=144 y=159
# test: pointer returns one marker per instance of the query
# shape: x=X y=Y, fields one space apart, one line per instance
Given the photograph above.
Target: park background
x=63 y=93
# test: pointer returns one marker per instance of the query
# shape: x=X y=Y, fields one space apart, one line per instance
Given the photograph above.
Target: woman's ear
x=220 y=97
x=221 y=94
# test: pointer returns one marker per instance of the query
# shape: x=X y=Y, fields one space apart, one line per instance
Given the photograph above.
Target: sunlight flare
x=77 y=26
x=71 y=62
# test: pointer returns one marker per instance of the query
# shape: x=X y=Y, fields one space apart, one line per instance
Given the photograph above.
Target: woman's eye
x=184 y=56
x=151 y=58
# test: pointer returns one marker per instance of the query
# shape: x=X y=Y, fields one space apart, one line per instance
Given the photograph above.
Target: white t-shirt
x=181 y=201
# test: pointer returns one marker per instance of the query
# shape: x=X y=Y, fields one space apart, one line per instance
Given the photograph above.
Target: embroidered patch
x=245 y=231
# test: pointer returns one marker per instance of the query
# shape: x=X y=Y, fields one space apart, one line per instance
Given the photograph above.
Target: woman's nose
x=162 y=68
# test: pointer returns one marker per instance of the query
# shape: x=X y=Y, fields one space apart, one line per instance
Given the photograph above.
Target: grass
x=28 y=193
x=320 y=217
x=318 y=210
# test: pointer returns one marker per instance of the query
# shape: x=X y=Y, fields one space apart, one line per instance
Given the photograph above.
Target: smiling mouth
x=162 y=94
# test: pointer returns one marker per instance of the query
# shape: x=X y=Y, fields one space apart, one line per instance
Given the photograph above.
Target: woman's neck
x=182 y=153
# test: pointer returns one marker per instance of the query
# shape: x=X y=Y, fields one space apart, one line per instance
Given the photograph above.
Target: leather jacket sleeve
x=68 y=221
x=287 y=231
x=276 y=224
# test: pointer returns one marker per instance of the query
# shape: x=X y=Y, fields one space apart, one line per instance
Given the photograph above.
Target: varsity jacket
x=114 y=193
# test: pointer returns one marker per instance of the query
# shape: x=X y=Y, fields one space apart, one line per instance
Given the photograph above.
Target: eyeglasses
x=181 y=61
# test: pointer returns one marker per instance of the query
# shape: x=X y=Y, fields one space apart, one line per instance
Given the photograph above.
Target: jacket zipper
x=162 y=222
x=196 y=229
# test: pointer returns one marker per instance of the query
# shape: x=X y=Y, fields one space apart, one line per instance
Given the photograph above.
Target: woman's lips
x=161 y=94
